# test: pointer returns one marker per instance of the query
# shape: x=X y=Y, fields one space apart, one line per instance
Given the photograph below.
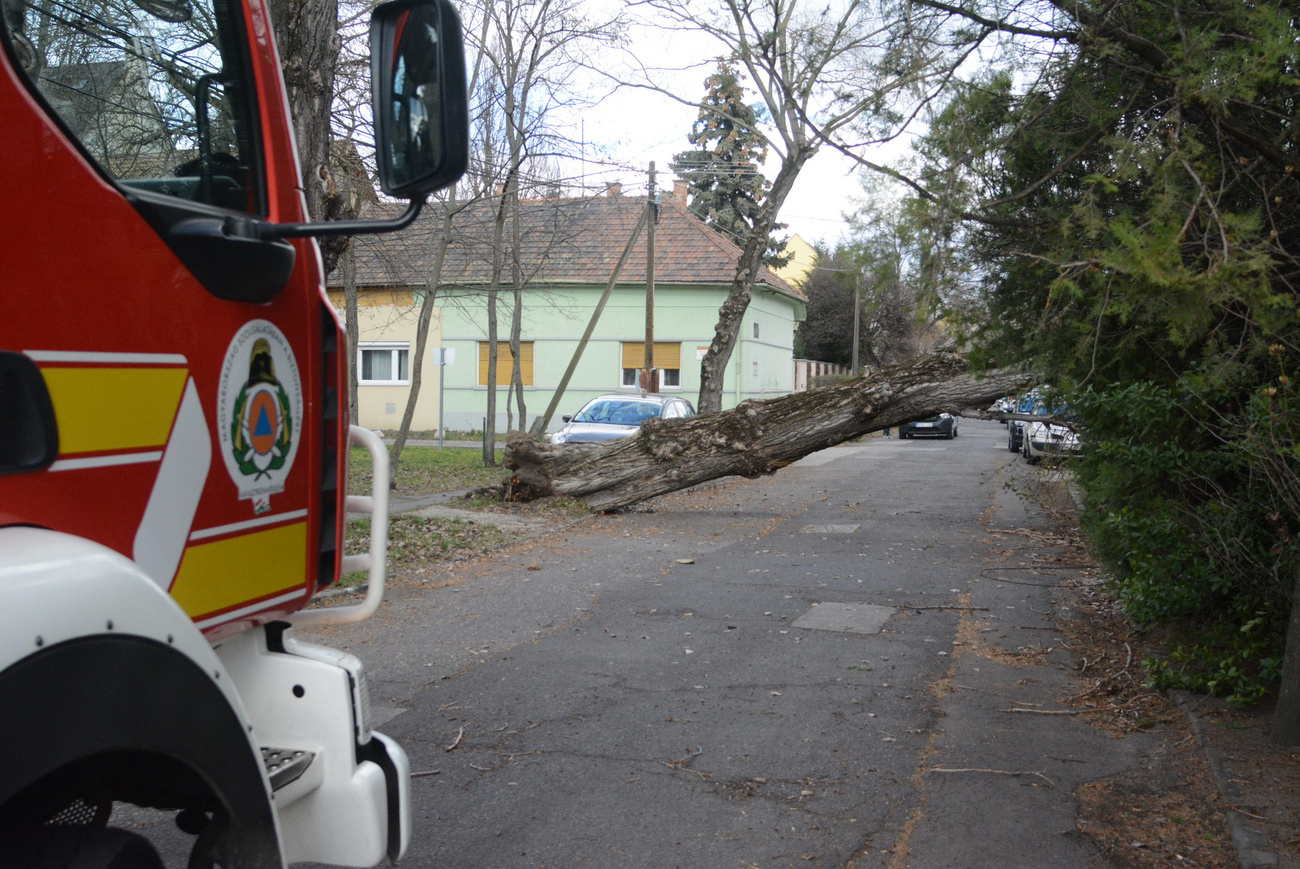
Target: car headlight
x=558 y=437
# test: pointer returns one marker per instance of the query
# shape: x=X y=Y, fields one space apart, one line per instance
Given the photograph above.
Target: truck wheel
x=89 y=848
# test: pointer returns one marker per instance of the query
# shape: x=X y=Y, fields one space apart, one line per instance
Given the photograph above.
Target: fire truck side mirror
x=421 y=112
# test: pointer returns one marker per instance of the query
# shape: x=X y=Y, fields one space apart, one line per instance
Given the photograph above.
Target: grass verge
x=424 y=470
x=418 y=541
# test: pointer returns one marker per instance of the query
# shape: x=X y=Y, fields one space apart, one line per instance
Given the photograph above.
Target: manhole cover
x=854 y=618
x=829 y=529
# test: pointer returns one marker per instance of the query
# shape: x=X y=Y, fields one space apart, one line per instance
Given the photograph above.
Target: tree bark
x=352 y=327
x=751 y=440
x=713 y=366
x=306 y=33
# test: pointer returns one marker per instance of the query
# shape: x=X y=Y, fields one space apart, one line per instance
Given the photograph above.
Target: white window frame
x=394 y=347
x=636 y=379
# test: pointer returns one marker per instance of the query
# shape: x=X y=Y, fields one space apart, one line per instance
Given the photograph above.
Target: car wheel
x=1011 y=441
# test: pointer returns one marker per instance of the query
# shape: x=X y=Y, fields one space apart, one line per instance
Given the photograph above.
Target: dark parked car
x=607 y=417
x=941 y=425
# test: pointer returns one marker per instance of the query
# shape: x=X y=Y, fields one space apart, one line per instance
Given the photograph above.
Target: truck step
x=284 y=765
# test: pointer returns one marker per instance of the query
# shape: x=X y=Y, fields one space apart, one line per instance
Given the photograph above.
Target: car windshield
x=619 y=412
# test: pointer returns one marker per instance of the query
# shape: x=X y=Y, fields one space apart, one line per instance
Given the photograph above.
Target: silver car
x=607 y=417
x=1048 y=439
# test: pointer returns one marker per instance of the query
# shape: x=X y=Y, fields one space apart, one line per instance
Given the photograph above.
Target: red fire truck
x=173 y=436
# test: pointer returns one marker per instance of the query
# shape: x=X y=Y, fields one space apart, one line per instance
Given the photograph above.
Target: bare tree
x=530 y=48
x=817 y=71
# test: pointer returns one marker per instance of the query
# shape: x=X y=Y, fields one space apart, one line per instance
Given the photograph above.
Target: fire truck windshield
x=151 y=89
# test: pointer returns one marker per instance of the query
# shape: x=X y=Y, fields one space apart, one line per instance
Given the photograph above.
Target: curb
x=1250 y=841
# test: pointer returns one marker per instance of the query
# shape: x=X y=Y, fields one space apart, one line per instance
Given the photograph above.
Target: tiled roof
x=563 y=241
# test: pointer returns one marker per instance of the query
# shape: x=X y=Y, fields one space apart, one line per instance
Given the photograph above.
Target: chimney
x=679 y=189
x=613 y=189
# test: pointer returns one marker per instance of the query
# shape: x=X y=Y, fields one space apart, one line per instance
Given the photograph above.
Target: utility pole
x=857 y=321
x=652 y=217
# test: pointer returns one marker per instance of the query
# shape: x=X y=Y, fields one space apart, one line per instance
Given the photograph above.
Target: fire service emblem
x=259 y=411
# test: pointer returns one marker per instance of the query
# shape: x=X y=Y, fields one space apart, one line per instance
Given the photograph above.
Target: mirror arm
x=269 y=231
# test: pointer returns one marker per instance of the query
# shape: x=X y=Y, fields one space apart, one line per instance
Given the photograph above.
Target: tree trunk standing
x=433 y=282
x=713 y=367
x=517 y=316
x=1286 y=715
x=349 y=263
x=306 y=32
x=494 y=288
x=756 y=438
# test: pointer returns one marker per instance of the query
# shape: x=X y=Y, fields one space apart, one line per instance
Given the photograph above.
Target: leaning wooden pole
x=540 y=424
x=753 y=439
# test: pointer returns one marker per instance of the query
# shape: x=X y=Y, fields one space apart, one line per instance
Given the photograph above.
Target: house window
x=667 y=358
x=505 y=363
x=387 y=364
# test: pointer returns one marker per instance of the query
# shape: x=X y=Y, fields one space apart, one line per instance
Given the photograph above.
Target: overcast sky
x=634 y=126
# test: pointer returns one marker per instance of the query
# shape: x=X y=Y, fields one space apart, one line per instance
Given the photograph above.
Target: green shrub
x=1192 y=533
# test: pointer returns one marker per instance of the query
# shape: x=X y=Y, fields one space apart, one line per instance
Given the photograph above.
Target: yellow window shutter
x=505 y=362
x=667 y=355
x=633 y=354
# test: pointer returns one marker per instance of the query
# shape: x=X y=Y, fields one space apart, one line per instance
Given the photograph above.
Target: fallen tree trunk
x=751 y=440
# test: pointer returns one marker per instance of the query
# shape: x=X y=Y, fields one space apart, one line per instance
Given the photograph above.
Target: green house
x=567 y=253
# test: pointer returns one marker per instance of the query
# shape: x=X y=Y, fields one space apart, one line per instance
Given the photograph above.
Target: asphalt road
x=810 y=669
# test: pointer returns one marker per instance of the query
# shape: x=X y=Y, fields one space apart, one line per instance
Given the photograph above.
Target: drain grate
x=829 y=529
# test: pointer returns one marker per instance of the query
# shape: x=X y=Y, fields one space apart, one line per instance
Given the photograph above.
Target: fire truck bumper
x=342 y=791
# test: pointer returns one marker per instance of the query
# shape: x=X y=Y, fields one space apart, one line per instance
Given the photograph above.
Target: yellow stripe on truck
x=215 y=576
x=100 y=409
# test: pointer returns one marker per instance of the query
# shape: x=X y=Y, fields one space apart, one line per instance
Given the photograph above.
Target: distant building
x=567 y=253
x=803 y=259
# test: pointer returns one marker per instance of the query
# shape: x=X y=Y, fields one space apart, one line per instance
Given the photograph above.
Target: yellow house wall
x=802 y=261
x=391 y=317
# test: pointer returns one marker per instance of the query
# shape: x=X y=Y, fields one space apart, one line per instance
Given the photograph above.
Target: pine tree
x=726 y=184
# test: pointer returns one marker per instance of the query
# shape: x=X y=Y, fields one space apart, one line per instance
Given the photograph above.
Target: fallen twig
x=946 y=607
x=455 y=742
x=429 y=772
x=1068 y=711
x=994 y=772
